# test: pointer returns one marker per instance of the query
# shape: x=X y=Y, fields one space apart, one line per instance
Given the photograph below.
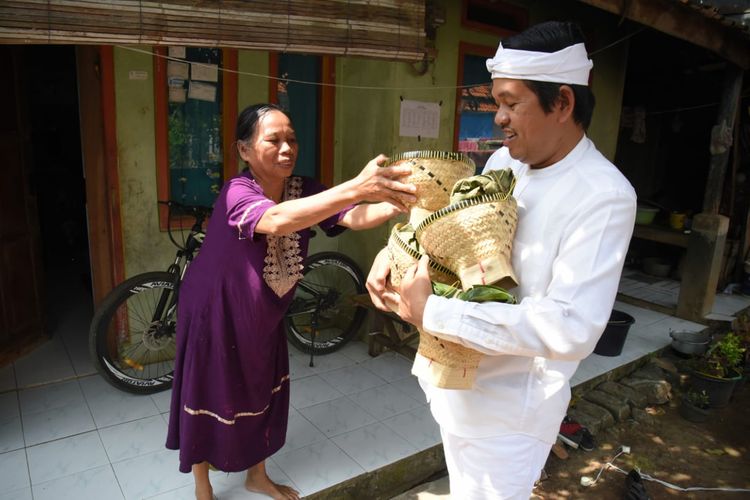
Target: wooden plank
x=92 y=150
x=730 y=97
x=383 y=29
x=682 y=22
x=661 y=235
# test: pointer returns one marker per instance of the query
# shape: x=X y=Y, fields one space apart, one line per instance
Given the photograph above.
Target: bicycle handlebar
x=197 y=211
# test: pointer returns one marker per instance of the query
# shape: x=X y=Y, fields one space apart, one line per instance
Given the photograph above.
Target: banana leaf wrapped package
x=473 y=236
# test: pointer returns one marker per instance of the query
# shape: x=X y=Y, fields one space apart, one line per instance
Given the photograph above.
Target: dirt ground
x=712 y=454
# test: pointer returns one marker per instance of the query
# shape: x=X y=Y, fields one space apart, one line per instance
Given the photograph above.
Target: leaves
x=477 y=293
x=494 y=181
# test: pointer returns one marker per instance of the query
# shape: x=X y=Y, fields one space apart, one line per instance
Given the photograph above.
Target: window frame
x=465 y=49
x=229 y=62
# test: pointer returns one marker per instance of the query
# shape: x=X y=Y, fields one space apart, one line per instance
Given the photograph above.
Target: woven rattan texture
x=434 y=173
x=477 y=233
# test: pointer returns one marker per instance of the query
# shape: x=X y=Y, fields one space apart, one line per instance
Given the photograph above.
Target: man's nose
x=501 y=117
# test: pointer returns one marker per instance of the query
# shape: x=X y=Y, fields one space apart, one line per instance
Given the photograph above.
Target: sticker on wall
x=204 y=72
x=178 y=52
x=137 y=75
x=202 y=91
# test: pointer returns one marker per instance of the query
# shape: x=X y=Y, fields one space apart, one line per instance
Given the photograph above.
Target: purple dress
x=230 y=396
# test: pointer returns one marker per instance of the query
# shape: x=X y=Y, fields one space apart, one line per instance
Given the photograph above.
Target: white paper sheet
x=419 y=119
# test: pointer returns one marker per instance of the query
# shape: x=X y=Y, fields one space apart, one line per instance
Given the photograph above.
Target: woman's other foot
x=258 y=482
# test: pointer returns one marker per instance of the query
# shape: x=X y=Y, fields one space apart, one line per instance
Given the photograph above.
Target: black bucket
x=613 y=338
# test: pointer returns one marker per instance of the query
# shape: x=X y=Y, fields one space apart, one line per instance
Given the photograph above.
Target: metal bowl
x=691 y=343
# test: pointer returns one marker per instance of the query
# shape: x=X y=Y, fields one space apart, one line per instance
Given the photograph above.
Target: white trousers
x=495 y=468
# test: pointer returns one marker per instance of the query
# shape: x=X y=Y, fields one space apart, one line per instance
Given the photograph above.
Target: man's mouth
x=509 y=136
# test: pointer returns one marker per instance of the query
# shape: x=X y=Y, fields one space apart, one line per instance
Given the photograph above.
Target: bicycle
x=132 y=333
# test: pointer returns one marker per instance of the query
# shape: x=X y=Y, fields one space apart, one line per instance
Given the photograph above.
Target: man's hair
x=552 y=36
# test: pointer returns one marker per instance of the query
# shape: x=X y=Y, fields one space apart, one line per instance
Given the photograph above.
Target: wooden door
x=21 y=313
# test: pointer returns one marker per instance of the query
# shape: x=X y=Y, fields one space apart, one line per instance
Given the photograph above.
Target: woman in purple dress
x=230 y=397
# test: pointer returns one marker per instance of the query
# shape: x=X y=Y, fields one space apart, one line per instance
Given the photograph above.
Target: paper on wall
x=419 y=119
x=202 y=91
x=178 y=52
x=204 y=72
x=176 y=69
x=177 y=94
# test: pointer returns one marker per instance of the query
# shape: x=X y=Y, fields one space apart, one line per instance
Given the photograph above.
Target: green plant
x=724 y=357
x=696 y=398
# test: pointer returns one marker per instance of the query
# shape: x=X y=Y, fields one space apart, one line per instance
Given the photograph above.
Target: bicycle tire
x=145 y=363
x=339 y=318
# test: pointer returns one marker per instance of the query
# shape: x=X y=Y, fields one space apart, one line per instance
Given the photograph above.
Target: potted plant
x=694 y=406
x=719 y=369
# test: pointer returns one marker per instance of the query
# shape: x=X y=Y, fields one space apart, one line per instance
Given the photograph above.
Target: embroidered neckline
x=283 y=255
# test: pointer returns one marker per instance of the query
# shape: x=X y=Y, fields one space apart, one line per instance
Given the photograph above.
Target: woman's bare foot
x=203 y=489
x=204 y=495
x=258 y=481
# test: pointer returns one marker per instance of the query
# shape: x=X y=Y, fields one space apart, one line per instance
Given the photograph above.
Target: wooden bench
x=387 y=329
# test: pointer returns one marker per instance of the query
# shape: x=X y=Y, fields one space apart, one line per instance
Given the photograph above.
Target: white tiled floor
x=65 y=433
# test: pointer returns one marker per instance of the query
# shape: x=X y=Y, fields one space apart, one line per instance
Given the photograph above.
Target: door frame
x=96 y=85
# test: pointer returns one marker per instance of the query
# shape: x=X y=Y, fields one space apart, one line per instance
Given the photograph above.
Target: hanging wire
x=304 y=82
x=355 y=87
x=618 y=41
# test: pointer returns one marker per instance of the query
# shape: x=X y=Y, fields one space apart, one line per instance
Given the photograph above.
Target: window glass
x=195 y=126
x=478 y=136
x=302 y=102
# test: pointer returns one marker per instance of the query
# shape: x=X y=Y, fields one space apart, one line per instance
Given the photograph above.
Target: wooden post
x=705 y=253
x=720 y=152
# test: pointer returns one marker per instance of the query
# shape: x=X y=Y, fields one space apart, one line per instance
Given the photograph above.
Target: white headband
x=570 y=65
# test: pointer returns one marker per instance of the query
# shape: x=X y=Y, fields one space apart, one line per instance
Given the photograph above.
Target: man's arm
x=565 y=322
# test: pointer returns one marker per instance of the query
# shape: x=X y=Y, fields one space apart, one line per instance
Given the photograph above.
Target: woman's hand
x=376 y=183
x=411 y=299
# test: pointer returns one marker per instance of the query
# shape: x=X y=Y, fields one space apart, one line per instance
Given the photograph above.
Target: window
x=310 y=106
x=196 y=107
x=476 y=133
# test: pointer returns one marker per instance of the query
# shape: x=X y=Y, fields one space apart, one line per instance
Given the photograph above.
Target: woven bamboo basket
x=445 y=364
x=403 y=255
x=474 y=239
x=434 y=173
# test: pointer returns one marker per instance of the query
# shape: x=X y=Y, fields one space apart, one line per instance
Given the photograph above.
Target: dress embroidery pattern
x=283 y=260
x=194 y=412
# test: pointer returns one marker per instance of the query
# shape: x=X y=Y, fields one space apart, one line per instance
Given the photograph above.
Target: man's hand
x=415 y=289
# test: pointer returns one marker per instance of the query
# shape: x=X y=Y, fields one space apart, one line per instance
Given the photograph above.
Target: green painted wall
x=366 y=119
x=145 y=248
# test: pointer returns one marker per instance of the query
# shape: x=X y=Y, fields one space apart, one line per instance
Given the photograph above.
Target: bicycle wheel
x=132 y=334
x=330 y=281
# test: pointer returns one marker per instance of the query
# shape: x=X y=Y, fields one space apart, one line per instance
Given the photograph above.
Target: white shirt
x=575 y=220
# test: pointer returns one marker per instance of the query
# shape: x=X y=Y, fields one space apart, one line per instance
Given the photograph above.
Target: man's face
x=531 y=136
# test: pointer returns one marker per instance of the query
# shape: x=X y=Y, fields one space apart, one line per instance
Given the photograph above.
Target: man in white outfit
x=576 y=214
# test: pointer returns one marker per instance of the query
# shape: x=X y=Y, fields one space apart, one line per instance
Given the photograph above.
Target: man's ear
x=566 y=102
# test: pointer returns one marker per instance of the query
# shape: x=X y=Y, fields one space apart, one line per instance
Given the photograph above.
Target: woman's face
x=272 y=151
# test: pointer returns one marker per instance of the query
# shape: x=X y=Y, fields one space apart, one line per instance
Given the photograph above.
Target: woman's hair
x=247 y=122
x=552 y=36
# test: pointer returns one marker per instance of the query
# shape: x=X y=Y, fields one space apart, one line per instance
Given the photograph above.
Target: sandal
x=635 y=490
